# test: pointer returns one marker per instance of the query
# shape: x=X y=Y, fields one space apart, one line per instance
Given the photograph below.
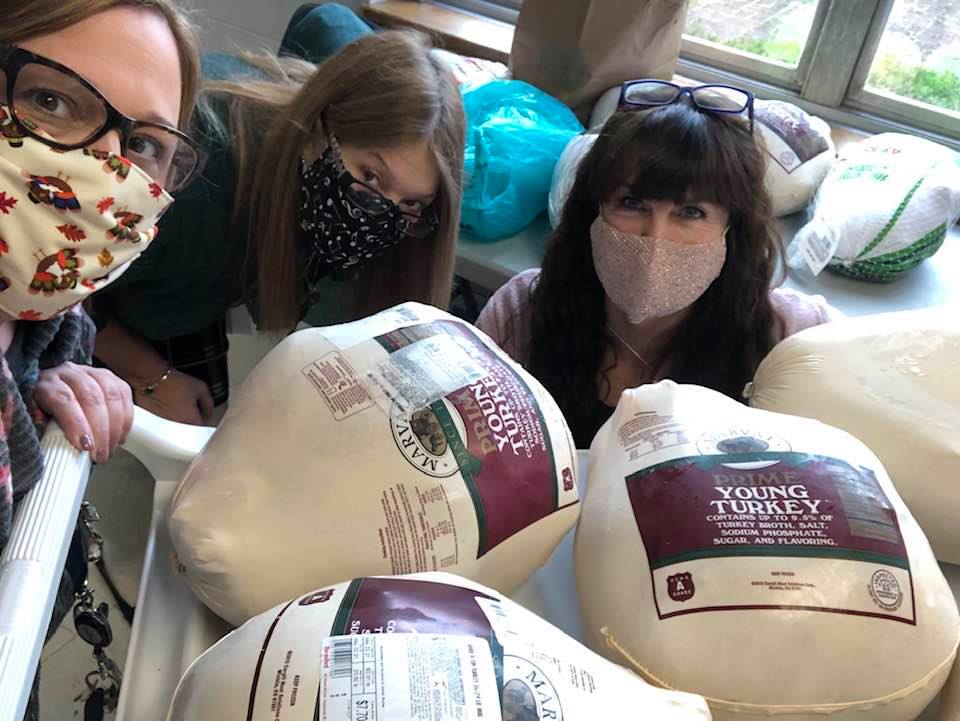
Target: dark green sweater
x=189 y=276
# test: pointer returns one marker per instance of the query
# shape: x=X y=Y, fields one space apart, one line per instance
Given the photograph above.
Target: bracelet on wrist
x=151 y=388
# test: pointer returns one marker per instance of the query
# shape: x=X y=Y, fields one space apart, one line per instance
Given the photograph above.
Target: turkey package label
x=402 y=443
x=806 y=518
x=487 y=430
x=427 y=648
x=404 y=676
x=710 y=529
x=800 y=150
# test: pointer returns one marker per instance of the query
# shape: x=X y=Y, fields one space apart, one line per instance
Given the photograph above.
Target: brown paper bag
x=577 y=49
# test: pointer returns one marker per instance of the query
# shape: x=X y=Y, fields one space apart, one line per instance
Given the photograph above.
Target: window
x=767 y=40
x=914 y=72
x=880 y=64
x=503 y=10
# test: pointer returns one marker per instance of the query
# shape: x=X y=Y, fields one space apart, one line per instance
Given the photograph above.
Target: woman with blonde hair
x=89 y=151
x=333 y=187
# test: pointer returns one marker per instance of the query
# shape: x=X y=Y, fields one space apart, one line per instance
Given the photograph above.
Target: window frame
x=755 y=66
x=903 y=109
x=828 y=80
x=505 y=11
x=763 y=69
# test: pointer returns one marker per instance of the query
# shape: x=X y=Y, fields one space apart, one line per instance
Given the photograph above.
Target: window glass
x=919 y=53
x=772 y=29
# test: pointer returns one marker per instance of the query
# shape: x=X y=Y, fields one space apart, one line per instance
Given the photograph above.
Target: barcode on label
x=341 y=658
x=816 y=249
x=406 y=677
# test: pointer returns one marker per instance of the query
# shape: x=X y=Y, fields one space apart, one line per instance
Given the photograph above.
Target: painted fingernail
x=85 y=443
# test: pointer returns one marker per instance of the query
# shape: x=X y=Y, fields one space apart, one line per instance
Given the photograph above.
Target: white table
x=171 y=627
x=491 y=264
x=934 y=282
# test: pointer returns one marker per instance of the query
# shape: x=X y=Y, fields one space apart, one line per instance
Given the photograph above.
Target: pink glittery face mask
x=650 y=277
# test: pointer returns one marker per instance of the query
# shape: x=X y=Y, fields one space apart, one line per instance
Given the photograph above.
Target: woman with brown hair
x=57 y=83
x=90 y=150
x=663 y=263
x=332 y=186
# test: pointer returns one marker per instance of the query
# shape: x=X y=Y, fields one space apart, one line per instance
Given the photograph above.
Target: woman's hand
x=92 y=405
x=180 y=398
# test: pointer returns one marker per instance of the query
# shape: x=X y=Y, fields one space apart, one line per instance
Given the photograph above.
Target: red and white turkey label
x=402 y=605
x=433 y=647
x=804 y=519
x=285 y=683
x=710 y=529
x=792 y=141
x=488 y=430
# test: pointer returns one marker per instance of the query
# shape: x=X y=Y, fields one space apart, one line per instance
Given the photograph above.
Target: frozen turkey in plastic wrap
x=565 y=173
x=891 y=380
x=401 y=443
x=800 y=152
x=430 y=647
x=763 y=561
x=886 y=205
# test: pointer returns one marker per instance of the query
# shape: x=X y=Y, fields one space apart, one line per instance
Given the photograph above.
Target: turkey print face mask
x=70 y=222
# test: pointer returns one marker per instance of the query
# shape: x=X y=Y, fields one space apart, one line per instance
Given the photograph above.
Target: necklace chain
x=629 y=347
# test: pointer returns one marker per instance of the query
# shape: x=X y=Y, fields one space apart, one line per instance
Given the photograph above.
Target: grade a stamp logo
x=316 y=597
x=528 y=694
x=885 y=590
x=567 y=475
x=680 y=587
x=422 y=439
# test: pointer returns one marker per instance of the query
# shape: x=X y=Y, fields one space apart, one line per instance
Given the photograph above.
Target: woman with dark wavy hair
x=663 y=265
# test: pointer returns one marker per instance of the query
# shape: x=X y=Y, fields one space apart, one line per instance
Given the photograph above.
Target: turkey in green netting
x=884 y=208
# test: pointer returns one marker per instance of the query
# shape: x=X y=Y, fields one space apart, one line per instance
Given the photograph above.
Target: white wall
x=245 y=24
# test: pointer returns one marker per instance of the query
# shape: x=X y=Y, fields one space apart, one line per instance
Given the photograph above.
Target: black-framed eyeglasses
x=53 y=104
x=371 y=200
x=708 y=98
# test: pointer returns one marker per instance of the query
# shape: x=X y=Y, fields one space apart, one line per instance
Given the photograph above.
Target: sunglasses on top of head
x=713 y=98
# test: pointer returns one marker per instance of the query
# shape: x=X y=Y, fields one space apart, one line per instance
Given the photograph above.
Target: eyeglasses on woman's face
x=53 y=104
x=713 y=98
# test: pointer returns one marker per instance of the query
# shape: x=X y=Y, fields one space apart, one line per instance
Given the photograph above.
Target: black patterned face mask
x=341 y=229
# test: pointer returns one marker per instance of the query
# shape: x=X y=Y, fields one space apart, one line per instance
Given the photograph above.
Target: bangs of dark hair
x=676 y=153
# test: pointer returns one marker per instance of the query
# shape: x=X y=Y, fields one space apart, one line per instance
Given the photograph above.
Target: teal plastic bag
x=515 y=135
